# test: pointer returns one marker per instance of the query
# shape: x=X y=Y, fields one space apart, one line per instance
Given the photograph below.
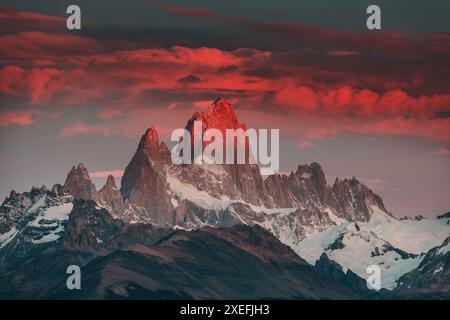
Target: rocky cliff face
x=306 y=187
x=91 y=229
x=349 y=279
x=79 y=183
x=243 y=181
x=32 y=221
x=158 y=187
x=354 y=200
x=144 y=181
x=431 y=279
x=109 y=197
x=220 y=115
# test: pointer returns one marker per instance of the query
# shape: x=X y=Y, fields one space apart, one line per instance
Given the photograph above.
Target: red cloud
x=37 y=46
x=39 y=84
x=127 y=74
x=19 y=118
x=365 y=103
x=399 y=93
x=123 y=79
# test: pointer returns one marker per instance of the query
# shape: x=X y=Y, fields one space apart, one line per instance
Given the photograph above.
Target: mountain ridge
x=300 y=209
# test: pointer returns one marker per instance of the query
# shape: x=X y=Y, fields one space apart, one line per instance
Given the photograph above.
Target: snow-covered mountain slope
x=413 y=236
x=396 y=246
x=34 y=218
x=290 y=225
x=431 y=279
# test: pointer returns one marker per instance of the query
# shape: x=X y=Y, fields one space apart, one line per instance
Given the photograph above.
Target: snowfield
x=396 y=246
x=409 y=235
x=8 y=237
x=53 y=218
x=53 y=215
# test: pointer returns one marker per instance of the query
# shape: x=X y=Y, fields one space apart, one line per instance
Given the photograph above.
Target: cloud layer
x=388 y=83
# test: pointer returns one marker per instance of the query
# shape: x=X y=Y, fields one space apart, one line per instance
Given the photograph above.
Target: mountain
x=431 y=279
x=334 y=271
x=127 y=261
x=239 y=262
x=220 y=115
x=79 y=184
x=396 y=246
x=293 y=207
x=32 y=219
x=144 y=181
x=109 y=196
x=158 y=187
x=356 y=201
x=339 y=229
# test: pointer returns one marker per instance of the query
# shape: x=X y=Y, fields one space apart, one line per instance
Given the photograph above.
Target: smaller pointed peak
x=355 y=181
x=59 y=190
x=81 y=166
x=78 y=169
x=111 y=181
x=219 y=115
x=221 y=105
x=13 y=194
x=78 y=172
x=303 y=168
x=149 y=138
x=151 y=131
x=164 y=148
x=78 y=183
x=221 y=102
x=315 y=165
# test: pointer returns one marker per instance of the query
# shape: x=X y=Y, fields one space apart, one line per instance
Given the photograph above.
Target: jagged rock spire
x=59 y=190
x=220 y=115
x=79 y=184
x=109 y=197
x=110 y=182
x=150 y=139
